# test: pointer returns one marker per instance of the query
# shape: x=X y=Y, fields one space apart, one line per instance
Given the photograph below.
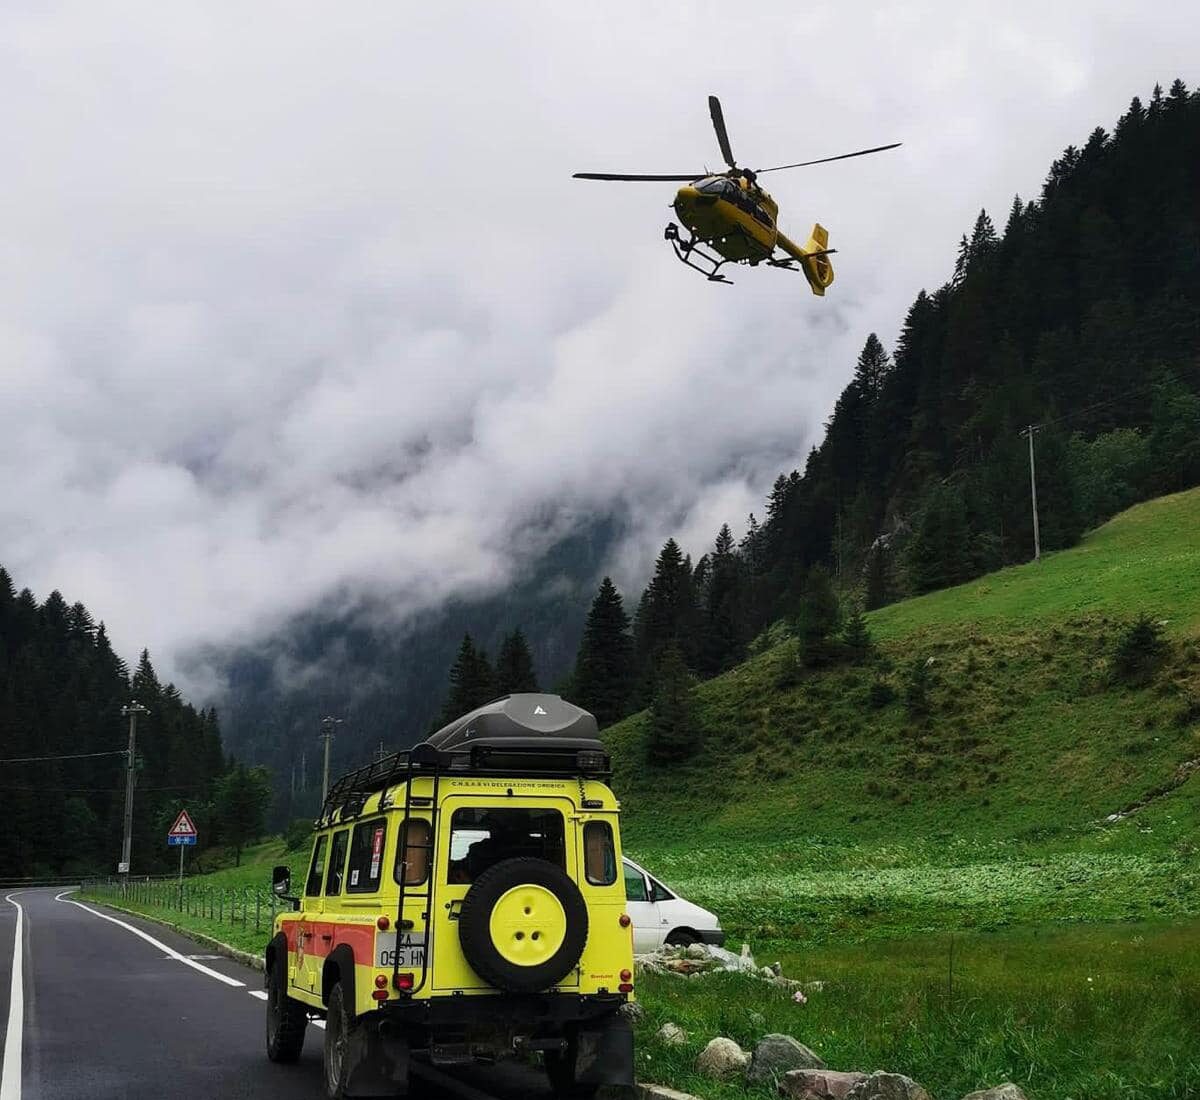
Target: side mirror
x=281 y=881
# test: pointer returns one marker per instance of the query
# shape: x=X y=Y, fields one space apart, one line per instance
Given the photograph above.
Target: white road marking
x=258 y=993
x=169 y=951
x=10 y=1075
x=318 y=1023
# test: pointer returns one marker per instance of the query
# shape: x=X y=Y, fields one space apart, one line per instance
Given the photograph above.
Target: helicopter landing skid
x=689 y=250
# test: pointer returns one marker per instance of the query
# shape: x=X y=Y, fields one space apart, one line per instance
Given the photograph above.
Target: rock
x=813 y=987
x=775 y=1055
x=788 y=983
x=777 y=969
x=745 y=951
x=661 y=1092
x=633 y=1012
x=887 y=1086
x=818 y=1084
x=697 y=951
x=757 y=1019
x=672 y=1035
x=1007 y=1091
x=722 y=1059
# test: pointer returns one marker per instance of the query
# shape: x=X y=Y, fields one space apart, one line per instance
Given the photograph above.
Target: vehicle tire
x=337 y=1043
x=523 y=925
x=560 y=1069
x=681 y=937
x=286 y=1018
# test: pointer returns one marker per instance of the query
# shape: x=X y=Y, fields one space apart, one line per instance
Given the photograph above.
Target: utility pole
x=1037 y=540
x=380 y=753
x=131 y=712
x=328 y=725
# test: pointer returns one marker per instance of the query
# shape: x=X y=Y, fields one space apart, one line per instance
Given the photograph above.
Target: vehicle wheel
x=286 y=1018
x=680 y=937
x=337 y=1044
x=560 y=1069
x=523 y=925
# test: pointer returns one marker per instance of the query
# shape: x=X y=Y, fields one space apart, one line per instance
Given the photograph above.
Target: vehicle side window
x=658 y=892
x=337 y=863
x=599 y=854
x=316 y=869
x=413 y=847
x=366 y=856
x=635 y=885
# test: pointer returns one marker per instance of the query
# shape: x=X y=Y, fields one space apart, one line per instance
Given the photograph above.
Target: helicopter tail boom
x=813 y=257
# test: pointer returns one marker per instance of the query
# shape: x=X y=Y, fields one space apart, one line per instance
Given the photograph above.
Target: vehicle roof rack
x=527 y=734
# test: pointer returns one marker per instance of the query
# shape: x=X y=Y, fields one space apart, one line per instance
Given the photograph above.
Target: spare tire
x=523 y=925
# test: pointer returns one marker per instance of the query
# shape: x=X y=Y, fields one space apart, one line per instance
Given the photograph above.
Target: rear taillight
x=625 y=921
x=383 y=924
x=626 y=976
x=625 y=987
x=404 y=982
x=379 y=994
x=381 y=981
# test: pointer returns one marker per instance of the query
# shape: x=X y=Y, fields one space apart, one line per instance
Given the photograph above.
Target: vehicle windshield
x=716 y=185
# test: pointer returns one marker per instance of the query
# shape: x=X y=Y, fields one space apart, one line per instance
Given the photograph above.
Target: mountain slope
x=813 y=804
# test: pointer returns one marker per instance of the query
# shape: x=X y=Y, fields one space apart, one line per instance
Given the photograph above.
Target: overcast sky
x=299 y=303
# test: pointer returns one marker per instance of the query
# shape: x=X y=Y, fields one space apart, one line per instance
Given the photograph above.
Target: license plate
x=408 y=954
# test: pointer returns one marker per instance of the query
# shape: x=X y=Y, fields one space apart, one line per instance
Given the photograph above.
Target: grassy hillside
x=814 y=809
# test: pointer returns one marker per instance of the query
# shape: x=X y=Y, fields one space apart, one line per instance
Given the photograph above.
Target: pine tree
x=514 y=666
x=872 y=368
x=242 y=798
x=604 y=665
x=857 y=635
x=724 y=606
x=667 y=614
x=878 y=577
x=472 y=682
x=672 y=736
x=820 y=612
x=939 y=554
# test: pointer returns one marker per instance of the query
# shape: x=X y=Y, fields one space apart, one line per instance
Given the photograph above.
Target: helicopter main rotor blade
x=826 y=160
x=718 y=121
x=617 y=176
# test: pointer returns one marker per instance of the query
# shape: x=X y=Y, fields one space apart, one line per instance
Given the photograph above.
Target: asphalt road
x=115 y=1008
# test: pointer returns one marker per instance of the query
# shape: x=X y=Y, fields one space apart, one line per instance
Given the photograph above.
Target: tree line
x=1081 y=318
x=62 y=736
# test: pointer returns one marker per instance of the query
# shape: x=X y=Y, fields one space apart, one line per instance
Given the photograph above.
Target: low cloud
x=301 y=307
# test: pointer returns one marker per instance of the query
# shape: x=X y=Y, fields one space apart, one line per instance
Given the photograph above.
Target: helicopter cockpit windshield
x=717 y=185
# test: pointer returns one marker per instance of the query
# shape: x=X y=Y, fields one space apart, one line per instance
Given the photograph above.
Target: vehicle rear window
x=413 y=846
x=483 y=836
x=337 y=863
x=635 y=885
x=316 y=869
x=366 y=856
x=599 y=854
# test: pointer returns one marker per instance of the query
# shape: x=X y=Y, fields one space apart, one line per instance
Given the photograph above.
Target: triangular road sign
x=183 y=825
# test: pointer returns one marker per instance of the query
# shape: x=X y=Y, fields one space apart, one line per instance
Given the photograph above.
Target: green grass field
x=853 y=842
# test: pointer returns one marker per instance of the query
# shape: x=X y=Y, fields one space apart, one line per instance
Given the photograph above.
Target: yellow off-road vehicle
x=463 y=902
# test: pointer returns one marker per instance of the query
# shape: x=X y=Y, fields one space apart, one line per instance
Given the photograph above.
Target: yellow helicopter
x=730 y=215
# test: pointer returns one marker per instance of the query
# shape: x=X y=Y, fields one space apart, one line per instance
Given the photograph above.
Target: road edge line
x=157 y=943
x=255 y=962
x=10 y=1073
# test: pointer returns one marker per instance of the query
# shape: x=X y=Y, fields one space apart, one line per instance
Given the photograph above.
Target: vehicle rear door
x=474 y=833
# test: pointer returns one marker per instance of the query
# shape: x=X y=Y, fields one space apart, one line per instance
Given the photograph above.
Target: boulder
x=887 y=1086
x=672 y=1035
x=1007 y=1091
x=633 y=1012
x=697 y=951
x=818 y=1084
x=757 y=1020
x=775 y=1055
x=722 y=1059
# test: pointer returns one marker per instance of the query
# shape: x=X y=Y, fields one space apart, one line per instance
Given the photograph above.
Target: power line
x=67 y=756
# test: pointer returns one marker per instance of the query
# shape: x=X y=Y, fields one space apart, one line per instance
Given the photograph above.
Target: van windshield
x=482 y=836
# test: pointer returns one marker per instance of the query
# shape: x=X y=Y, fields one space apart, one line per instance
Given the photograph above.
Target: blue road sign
x=174 y=840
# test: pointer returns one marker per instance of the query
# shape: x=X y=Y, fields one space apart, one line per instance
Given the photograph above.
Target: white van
x=660 y=916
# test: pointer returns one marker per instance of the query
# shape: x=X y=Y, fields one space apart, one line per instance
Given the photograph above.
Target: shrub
x=298 y=834
x=917 y=680
x=1140 y=650
x=880 y=694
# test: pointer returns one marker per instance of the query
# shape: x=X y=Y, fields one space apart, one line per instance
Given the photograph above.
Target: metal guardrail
x=243 y=906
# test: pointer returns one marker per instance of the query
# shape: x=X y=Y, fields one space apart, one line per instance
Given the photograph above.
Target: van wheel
x=286 y=1018
x=681 y=938
x=337 y=1044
